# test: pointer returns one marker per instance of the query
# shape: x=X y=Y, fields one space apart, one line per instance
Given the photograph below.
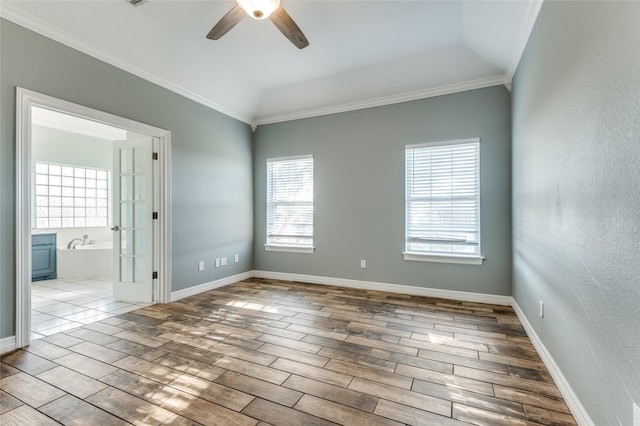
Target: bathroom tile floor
x=60 y=305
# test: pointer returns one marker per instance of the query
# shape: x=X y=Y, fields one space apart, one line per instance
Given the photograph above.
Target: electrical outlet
x=636 y=415
x=541 y=313
x=363 y=263
x=236 y=258
x=217 y=262
x=223 y=261
x=200 y=266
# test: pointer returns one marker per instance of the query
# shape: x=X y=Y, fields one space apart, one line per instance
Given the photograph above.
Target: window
x=290 y=204
x=443 y=202
x=71 y=196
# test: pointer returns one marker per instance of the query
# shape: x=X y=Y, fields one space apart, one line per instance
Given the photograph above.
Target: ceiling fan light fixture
x=259 y=9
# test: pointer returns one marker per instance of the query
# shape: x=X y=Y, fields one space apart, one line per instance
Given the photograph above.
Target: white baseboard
x=393 y=288
x=180 y=294
x=577 y=409
x=7 y=344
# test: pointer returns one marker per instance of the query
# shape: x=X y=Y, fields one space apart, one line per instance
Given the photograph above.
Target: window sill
x=289 y=249
x=464 y=260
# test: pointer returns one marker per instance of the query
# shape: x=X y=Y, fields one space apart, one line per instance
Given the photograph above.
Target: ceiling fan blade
x=227 y=22
x=289 y=28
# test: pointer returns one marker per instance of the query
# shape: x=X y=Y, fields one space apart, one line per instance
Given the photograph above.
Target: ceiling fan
x=260 y=9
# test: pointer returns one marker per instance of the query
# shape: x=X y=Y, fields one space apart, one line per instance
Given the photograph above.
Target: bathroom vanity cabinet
x=43 y=257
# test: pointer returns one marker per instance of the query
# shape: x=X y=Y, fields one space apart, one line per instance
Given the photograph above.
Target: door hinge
x=155 y=275
x=154 y=156
x=155 y=215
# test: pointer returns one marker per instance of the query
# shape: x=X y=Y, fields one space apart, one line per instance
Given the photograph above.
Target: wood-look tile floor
x=262 y=352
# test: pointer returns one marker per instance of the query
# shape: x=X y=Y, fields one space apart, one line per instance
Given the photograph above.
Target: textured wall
x=359 y=189
x=576 y=197
x=211 y=156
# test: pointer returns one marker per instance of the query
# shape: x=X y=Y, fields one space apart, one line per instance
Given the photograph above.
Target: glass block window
x=70 y=196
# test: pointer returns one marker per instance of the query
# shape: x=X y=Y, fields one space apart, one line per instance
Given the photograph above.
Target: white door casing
x=25 y=100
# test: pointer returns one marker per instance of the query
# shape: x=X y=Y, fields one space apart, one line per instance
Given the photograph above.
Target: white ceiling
x=362 y=53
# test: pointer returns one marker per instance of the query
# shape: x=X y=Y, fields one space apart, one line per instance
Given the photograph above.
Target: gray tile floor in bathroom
x=60 y=305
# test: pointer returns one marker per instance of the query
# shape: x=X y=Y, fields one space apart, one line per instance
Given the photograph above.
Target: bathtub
x=88 y=261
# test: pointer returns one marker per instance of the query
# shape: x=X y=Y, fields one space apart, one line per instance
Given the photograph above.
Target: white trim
x=577 y=409
x=191 y=291
x=438 y=258
x=289 y=249
x=12 y=14
x=293 y=157
x=8 y=344
x=24 y=100
x=443 y=143
x=385 y=100
x=526 y=27
x=393 y=288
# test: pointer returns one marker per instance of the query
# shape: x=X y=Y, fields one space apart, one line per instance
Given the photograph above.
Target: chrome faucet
x=84 y=239
x=71 y=245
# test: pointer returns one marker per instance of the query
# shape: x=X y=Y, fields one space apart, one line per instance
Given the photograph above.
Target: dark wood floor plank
x=271 y=375
x=72 y=411
x=71 y=382
x=129 y=407
x=7 y=402
x=402 y=396
x=46 y=350
x=190 y=366
x=26 y=415
x=478 y=416
x=507 y=381
x=28 y=362
x=294 y=354
x=265 y=390
x=370 y=373
x=340 y=414
x=349 y=397
x=413 y=416
x=445 y=379
x=214 y=392
x=305 y=370
x=550 y=417
x=30 y=390
x=474 y=399
x=278 y=415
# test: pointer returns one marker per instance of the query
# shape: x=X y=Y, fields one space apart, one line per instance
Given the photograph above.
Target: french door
x=132 y=208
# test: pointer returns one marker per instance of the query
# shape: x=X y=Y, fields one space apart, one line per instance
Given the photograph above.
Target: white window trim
x=442 y=258
x=463 y=260
x=289 y=249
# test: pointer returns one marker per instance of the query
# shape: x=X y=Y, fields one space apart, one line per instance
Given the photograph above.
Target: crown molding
x=385 y=100
x=526 y=28
x=16 y=16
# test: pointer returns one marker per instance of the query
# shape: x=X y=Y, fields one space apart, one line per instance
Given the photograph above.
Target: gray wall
x=58 y=146
x=576 y=197
x=211 y=156
x=359 y=189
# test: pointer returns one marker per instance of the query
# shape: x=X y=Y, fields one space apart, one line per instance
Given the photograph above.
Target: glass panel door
x=132 y=221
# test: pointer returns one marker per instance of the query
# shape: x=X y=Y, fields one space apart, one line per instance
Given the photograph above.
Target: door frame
x=25 y=99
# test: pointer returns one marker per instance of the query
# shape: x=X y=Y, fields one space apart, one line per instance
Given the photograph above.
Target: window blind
x=443 y=198
x=290 y=202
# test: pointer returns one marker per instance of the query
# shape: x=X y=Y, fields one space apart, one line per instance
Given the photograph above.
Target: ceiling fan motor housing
x=259 y=9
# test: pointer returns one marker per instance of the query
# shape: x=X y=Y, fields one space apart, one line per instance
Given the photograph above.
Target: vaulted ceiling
x=362 y=53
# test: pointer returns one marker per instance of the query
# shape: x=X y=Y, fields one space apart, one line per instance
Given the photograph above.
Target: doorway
x=142 y=275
